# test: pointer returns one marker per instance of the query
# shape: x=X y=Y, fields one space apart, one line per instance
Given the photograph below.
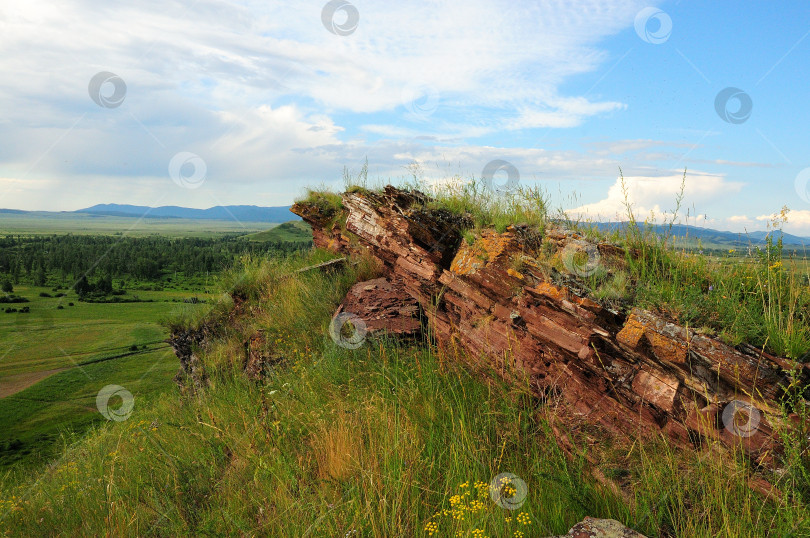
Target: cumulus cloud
x=798 y=221
x=655 y=196
x=252 y=86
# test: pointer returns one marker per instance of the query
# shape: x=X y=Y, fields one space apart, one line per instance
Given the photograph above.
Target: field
x=85 y=224
x=61 y=351
x=55 y=360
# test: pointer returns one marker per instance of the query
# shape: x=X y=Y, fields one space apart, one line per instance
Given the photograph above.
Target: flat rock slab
x=385 y=306
x=601 y=528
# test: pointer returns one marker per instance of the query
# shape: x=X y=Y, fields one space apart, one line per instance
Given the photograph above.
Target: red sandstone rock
x=384 y=307
x=633 y=373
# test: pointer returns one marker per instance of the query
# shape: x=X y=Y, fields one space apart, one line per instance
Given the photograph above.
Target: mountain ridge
x=251 y=213
x=712 y=236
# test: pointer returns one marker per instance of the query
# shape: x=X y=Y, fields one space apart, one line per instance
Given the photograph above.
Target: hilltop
x=446 y=363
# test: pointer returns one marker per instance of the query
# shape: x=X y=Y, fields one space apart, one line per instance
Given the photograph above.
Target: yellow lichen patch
x=466 y=261
x=551 y=291
x=631 y=333
x=488 y=248
x=495 y=244
x=514 y=273
x=664 y=348
x=586 y=303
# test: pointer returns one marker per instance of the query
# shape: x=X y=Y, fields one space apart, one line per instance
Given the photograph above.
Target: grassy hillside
x=296 y=231
x=389 y=439
x=404 y=438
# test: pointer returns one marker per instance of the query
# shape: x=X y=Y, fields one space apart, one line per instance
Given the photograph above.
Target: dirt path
x=15 y=383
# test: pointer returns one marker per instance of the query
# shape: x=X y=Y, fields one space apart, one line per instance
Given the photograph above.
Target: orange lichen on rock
x=665 y=348
x=632 y=333
x=511 y=272
x=551 y=291
x=490 y=247
x=466 y=261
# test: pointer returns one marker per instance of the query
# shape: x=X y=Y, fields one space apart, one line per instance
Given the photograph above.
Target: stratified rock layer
x=384 y=307
x=631 y=373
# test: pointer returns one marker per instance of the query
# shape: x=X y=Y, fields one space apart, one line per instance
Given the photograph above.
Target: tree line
x=43 y=260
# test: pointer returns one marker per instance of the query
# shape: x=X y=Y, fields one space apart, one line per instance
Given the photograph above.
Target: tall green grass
x=384 y=440
x=757 y=301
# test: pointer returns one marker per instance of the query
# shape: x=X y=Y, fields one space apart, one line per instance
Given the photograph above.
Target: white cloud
x=653 y=197
x=514 y=54
x=256 y=88
x=798 y=220
x=740 y=219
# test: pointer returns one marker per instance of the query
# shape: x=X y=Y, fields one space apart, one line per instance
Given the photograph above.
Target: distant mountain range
x=244 y=213
x=250 y=213
x=713 y=238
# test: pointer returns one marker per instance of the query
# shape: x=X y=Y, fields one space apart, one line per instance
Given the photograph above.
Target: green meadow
x=57 y=357
x=46 y=223
x=57 y=351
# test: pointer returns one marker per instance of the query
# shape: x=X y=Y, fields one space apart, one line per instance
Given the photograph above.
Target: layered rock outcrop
x=630 y=372
x=384 y=307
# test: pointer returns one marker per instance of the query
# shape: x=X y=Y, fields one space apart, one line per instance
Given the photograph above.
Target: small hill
x=295 y=231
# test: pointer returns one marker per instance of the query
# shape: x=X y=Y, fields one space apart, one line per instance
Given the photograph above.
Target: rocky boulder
x=600 y=528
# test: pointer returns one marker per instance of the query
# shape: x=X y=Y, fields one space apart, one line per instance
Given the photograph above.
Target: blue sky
x=249 y=103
